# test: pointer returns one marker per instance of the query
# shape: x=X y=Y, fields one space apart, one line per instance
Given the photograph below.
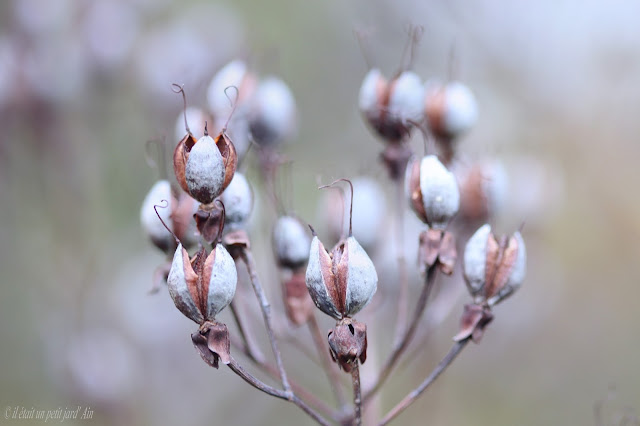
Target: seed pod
x=205 y=168
x=343 y=282
x=202 y=287
x=450 y=109
x=178 y=216
x=290 y=242
x=348 y=343
x=433 y=192
x=390 y=107
x=494 y=268
x=483 y=188
x=272 y=115
x=234 y=74
x=238 y=202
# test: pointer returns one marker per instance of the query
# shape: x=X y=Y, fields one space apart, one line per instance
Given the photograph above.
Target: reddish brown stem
x=403 y=290
x=357 y=395
x=413 y=395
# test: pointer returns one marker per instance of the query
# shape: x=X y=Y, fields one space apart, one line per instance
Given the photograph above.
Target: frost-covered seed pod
x=154 y=228
x=205 y=170
x=178 y=215
x=238 y=202
x=272 y=116
x=391 y=107
x=450 y=109
x=483 y=190
x=203 y=287
x=343 y=282
x=221 y=101
x=290 y=242
x=494 y=268
x=433 y=191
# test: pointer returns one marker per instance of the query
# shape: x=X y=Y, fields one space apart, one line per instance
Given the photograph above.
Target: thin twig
x=286 y=395
x=266 y=313
x=403 y=290
x=413 y=395
x=327 y=364
x=404 y=343
x=272 y=372
x=357 y=396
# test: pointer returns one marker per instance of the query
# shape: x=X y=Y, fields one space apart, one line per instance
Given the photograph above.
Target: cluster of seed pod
x=265 y=110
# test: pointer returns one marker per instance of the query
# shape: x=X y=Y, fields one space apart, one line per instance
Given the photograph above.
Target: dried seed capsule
x=272 y=115
x=348 y=343
x=238 y=202
x=483 y=188
x=433 y=192
x=390 y=107
x=204 y=171
x=178 y=216
x=234 y=74
x=450 y=109
x=494 y=268
x=203 y=286
x=343 y=282
x=290 y=242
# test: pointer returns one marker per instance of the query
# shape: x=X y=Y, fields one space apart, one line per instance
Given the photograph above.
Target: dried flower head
x=494 y=267
x=290 y=242
x=204 y=168
x=433 y=191
x=238 y=202
x=348 y=343
x=272 y=112
x=342 y=282
x=450 y=109
x=391 y=107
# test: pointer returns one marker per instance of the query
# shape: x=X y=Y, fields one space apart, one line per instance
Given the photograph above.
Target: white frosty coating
x=290 y=240
x=518 y=272
x=495 y=185
x=161 y=190
x=369 y=211
x=205 y=168
x=238 y=202
x=222 y=286
x=362 y=278
x=475 y=260
x=231 y=74
x=274 y=108
x=440 y=195
x=195 y=119
x=461 y=110
x=368 y=98
x=407 y=98
x=315 y=282
x=178 y=289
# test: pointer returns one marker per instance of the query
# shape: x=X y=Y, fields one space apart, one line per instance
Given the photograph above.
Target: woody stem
x=357 y=396
x=249 y=261
x=286 y=395
x=399 y=348
x=414 y=394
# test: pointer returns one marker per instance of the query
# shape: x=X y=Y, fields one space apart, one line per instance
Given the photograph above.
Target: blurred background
x=83 y=85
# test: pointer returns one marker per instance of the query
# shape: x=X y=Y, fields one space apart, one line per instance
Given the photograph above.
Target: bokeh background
x=83 y=85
